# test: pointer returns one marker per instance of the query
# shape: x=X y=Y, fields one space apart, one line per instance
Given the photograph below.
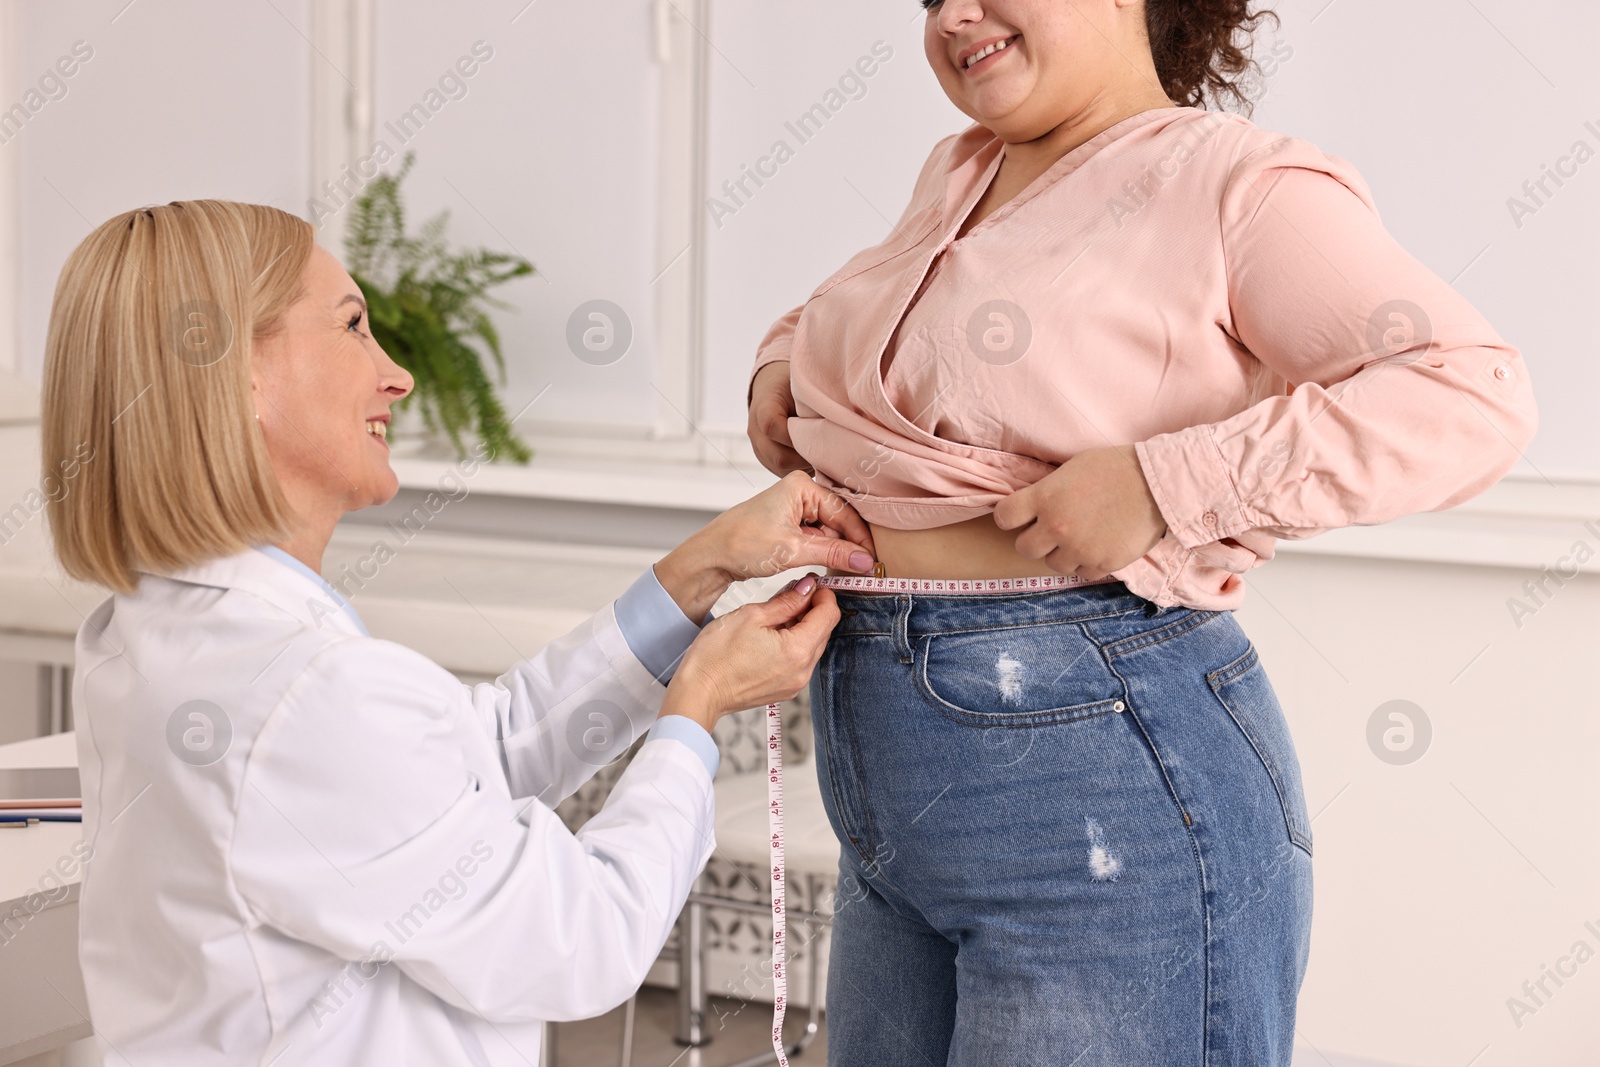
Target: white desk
x=42 y=1003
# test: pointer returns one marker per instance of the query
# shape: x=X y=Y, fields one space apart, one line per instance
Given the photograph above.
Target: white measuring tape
x=780 y=976
x=943 y=586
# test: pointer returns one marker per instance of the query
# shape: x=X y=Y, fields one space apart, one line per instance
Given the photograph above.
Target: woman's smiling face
x=323 y=391
x=1023 y=67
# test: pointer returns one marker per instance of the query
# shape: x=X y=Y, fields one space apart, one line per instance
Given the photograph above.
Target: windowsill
x=1482 y=538
x=1520 y=522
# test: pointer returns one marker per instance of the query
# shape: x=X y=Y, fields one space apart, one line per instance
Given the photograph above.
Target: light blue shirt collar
x=333 y=594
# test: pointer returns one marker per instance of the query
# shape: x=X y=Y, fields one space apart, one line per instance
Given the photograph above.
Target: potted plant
x=428 y=308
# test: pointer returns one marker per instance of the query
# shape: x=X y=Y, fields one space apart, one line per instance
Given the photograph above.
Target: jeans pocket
x=1030 y=675
x=1247 y=694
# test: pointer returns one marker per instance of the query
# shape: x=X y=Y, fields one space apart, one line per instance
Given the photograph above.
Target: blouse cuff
x=1192 y=486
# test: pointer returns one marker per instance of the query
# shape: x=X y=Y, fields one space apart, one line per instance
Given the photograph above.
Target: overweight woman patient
x=308 y=845
x=1118 y=337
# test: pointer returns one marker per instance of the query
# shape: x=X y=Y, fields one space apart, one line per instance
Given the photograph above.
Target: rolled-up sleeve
x=1400 y=397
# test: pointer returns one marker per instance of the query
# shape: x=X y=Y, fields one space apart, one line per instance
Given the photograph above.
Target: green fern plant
x=428 y=308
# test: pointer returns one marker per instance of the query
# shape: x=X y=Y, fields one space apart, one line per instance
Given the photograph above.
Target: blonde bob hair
x=147 y=396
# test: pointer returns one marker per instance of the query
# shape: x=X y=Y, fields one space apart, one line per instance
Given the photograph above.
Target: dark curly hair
x=1202 y=49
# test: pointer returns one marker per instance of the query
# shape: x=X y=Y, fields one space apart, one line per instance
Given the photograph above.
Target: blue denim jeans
x=1073 y=834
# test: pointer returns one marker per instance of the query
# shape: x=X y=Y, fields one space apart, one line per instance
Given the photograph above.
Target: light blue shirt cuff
x=691 y=733
x=655 y=628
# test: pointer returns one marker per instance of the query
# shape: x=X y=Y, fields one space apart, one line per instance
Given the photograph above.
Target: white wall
x=180 y=99
x=1444 y=884
x=551 y=154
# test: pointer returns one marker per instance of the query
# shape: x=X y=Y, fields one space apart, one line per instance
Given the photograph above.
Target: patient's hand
x=771 y=404
x=1091 y=516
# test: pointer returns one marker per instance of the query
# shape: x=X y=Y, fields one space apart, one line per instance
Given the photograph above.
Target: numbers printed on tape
x=955 y=586
x=780 y=978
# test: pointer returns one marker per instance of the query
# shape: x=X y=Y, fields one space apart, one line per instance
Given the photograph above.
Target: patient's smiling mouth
x=981 y=54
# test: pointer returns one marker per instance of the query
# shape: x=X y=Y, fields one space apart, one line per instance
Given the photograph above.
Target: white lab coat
x=351 y=882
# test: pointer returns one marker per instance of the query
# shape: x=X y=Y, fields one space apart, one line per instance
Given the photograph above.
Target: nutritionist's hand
x=795 y=523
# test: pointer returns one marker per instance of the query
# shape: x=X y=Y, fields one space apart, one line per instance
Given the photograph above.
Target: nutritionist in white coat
x=308 y=845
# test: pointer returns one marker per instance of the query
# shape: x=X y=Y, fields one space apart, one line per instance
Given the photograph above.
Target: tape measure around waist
x=935 y=586
x=956 y=586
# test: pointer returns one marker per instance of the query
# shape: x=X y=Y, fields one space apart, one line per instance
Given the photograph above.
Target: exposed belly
x=976 y=548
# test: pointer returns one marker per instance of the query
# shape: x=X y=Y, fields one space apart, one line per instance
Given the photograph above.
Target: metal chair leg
x=691 y=976
x=813 y=987
x=628 y=1011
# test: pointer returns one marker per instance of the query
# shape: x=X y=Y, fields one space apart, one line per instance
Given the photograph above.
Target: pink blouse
x=1224 y=297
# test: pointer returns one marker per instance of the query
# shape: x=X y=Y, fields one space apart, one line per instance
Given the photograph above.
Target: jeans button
x=1119 y=706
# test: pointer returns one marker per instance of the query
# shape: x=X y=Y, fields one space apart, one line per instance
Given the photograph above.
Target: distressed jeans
x=1073 y=834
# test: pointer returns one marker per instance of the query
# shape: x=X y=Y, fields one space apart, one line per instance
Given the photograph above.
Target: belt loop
x=902 y=620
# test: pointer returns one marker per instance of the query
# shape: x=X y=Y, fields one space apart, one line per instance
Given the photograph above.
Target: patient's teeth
x=987 y=51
